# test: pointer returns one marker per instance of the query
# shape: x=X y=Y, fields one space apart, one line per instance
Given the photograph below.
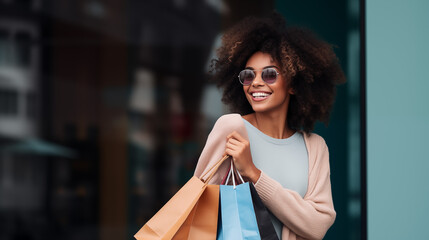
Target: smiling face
x=265 y=97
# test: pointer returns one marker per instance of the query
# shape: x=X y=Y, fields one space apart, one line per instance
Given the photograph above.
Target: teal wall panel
x=397 y=58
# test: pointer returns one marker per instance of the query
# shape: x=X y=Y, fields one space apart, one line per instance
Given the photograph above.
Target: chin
x=259 y=109
x=265 y=109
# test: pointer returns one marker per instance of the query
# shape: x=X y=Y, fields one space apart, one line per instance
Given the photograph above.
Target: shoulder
x=231 y=120
x=318 y=153
x=315 y=142
x=314 y=138
x=228 y=123
x=229 y=117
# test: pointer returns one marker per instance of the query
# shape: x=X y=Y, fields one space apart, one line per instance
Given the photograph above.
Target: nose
x=258 y=80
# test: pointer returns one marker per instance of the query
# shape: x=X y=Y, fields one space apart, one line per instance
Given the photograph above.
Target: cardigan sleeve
x=214 y=148
x=309 y=217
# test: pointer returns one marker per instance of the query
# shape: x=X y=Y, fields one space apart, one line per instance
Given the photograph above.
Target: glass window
x=8 y=102
x=4 y=47
x=32 y=106
x=23 y=47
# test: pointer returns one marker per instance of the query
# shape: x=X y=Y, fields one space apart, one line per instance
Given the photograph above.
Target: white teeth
x=260 y=94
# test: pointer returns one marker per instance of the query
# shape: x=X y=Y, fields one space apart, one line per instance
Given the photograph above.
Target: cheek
x=283 y=86
x=245 y=89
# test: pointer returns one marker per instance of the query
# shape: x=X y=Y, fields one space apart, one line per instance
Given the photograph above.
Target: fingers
x=236 y=135
x=237 y=146
x=233 y=146
x=236 y=139
x=234 y=142
x=231 y=152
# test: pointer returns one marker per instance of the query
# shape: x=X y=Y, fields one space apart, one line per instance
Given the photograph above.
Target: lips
x=259 y=96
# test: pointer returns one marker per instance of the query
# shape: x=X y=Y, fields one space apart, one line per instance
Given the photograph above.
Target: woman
x=280 y=80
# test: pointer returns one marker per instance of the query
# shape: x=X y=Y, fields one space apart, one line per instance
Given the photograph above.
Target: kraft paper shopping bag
x=167 y=221
x=202 y=221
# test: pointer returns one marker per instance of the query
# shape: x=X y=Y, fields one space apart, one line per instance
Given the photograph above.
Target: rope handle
x=232 y=171
x=213 y=169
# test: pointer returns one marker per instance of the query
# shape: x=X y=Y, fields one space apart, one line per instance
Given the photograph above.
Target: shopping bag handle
x=231 y=173
x=213 y=169
x=224 y=180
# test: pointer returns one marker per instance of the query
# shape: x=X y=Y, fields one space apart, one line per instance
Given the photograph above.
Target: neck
x=273 y=124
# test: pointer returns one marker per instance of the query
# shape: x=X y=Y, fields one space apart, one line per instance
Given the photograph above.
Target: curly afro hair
x=309 y=64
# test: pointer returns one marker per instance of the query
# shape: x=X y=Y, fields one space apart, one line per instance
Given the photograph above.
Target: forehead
x=259 y=60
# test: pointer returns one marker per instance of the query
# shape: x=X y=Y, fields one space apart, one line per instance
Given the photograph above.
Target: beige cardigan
x=303 y=218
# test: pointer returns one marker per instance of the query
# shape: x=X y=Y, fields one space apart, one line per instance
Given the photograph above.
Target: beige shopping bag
x=168 y=220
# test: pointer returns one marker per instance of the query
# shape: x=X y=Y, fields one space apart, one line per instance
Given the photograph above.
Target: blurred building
x=22 y=185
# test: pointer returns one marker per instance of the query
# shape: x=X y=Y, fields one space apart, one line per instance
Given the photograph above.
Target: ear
x=291 y=91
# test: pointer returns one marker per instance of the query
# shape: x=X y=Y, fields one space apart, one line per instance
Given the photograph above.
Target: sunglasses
x=268 y=75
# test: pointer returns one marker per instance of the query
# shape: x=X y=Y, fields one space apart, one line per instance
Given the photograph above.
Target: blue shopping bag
x=237 y=220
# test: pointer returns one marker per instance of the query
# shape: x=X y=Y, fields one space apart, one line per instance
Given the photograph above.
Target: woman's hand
x=239 y=149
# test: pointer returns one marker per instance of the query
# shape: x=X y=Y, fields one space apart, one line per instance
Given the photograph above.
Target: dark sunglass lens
x=246 y=77
x=269 y=75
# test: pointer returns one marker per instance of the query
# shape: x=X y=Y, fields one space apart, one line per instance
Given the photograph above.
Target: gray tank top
x=284 y=160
